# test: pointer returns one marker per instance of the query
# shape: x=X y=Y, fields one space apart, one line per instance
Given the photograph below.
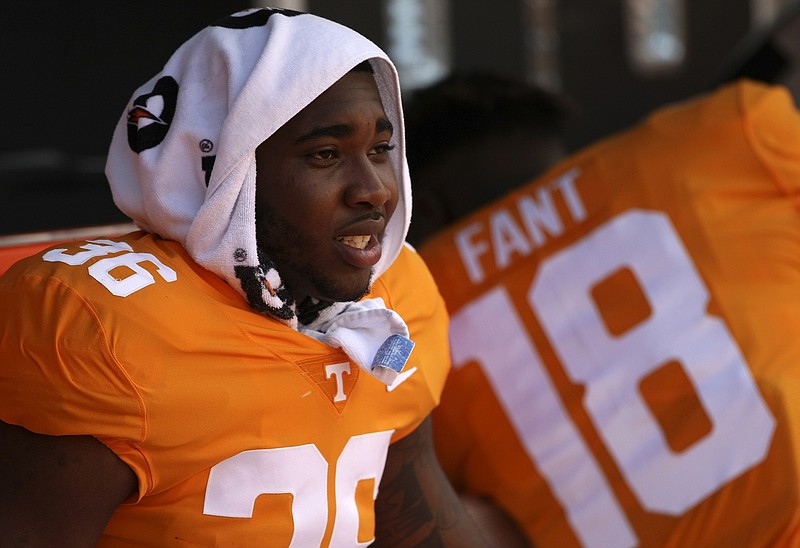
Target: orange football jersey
x=241 y=431
x=14 y=247
x=625 y=333
x=11 y=254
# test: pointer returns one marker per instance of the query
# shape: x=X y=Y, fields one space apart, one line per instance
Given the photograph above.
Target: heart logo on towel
x=150 y=118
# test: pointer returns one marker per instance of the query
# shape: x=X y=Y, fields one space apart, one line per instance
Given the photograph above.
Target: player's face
x=325 y=191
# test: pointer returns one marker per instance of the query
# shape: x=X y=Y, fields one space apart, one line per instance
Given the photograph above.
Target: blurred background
x=69 y=67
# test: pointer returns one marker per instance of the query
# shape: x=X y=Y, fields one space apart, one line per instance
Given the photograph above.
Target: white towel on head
x=182 y=158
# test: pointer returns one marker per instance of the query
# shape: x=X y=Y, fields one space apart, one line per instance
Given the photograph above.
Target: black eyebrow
x=384 y=125
x=338 y=131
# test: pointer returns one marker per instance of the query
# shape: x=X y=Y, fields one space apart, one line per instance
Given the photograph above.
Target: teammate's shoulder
x=743 y=102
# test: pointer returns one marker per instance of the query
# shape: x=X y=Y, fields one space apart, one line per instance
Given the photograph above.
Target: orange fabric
x=625 y=335
x=10 y=255
x=180 y=378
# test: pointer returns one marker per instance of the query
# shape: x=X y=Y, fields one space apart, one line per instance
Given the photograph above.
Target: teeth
x=359 y=242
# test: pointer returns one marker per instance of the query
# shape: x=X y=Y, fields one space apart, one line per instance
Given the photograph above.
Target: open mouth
x=359 y=242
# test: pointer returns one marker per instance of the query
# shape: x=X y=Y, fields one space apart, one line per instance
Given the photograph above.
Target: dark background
x=69 y=68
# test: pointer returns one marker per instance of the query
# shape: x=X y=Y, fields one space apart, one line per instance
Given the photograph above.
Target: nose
x=370 y=184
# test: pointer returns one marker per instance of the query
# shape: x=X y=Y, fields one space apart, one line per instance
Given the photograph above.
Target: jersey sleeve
x=54 y=351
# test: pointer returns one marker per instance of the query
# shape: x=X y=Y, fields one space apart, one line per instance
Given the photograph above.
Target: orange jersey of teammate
x=241 y=431
x=625 y=333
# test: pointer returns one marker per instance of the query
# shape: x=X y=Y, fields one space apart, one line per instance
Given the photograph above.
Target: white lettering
x=136 y=280
x=540 y=217
x=470 y=252
x=566 y=184
x=337 y=370
x=93 y=248
x=507 y=238
x=302 y=471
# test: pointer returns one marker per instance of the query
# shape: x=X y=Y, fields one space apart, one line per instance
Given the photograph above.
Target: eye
x=381 y=150
x=324 y=156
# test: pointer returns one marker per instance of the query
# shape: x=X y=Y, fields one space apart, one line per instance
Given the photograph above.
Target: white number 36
x=136 y=276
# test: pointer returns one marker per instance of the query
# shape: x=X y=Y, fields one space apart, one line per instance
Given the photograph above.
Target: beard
x=293 y=253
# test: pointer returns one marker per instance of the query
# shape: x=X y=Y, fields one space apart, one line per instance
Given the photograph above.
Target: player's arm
x=496 y=526
x=416 y=505
x=57 y=490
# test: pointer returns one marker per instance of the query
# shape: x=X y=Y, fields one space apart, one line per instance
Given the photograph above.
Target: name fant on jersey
x=501 y=236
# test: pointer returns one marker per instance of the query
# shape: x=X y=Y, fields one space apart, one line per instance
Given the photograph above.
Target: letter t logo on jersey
x=334 y=375
x=336 y=370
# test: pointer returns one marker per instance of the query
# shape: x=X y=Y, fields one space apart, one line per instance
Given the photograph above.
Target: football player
x=256 y=366
x=622 y=335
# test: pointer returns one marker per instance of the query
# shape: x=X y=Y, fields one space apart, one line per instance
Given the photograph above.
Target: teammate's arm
x=57 y=490
x=416 y=505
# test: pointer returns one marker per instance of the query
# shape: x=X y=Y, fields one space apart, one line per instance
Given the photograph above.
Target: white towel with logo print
x=182 y=160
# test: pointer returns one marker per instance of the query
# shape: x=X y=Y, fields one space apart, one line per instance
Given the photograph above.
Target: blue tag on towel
x=391 y=357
